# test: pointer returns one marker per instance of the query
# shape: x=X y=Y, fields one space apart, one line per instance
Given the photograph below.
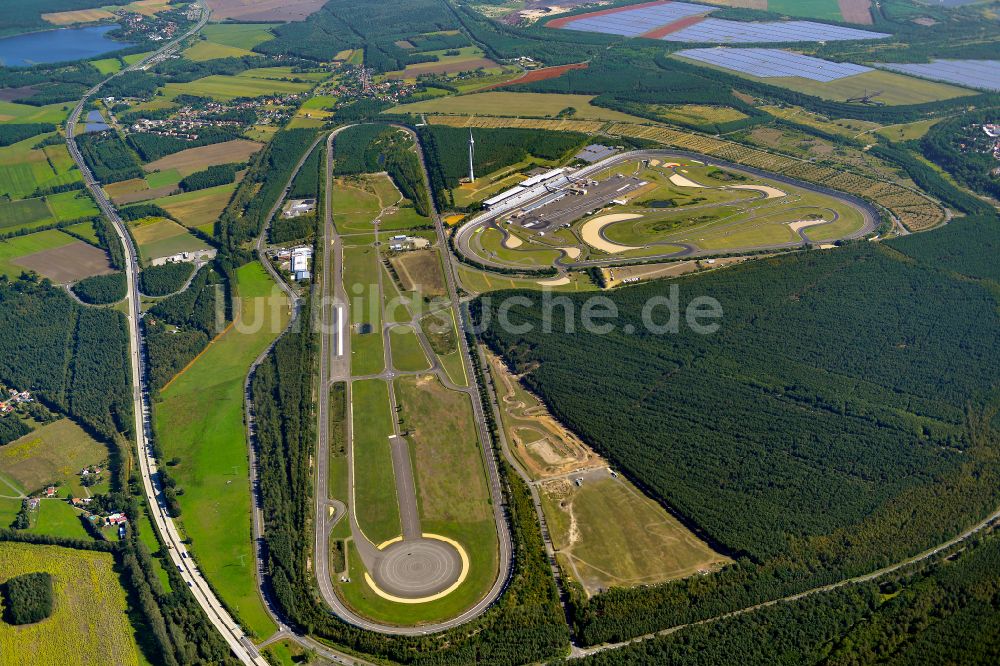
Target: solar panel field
x=685 y=22
x=982 y=74
x=719 y=31
x=774 y=62
x=633 y=22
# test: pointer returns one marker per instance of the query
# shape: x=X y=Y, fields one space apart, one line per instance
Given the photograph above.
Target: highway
x=464 y=235
x=238 y=641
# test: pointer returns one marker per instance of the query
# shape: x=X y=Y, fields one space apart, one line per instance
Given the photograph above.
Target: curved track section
x=419 y=565
x=463 y=237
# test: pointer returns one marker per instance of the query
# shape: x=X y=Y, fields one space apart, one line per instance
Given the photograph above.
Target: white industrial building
x=301 y=257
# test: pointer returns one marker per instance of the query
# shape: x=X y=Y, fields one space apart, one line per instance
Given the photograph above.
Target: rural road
x=465 y=233
x=228 y=628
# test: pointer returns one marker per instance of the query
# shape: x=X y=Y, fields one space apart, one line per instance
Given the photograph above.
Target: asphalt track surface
x=463 y=237
x=414 y=567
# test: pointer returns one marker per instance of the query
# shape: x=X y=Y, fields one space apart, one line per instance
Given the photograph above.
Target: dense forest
x=271 y=168
x=74 y=358
x=11 y=134
x=834 y=406
x=219 y=174
x=369 y=24
x=178 y=327
x=27 y=598
x=101 y=289
x=376 y=147
x=446 y=151
x=108 y=157
x=164 y=279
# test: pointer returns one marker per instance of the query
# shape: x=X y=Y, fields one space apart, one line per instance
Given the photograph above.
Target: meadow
x=607 y=533
x=209 y=438
x=198 y=208
x=54 y=453
x=224 y=88
x=89 y=624
x=516 y=104
x=374 y=483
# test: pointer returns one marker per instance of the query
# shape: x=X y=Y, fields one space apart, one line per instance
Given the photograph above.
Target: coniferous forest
x=826 y=429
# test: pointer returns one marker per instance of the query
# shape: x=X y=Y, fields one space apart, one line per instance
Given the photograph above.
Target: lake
x=57 y=46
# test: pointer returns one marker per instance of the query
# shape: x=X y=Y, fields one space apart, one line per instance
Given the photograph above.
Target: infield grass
x=374 y=483
x=361 y=267
x=407 y=353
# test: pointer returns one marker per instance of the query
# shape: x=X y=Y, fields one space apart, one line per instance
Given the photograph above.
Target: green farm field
x=225 y=88
x=206 y=50
x=89 y=603
x=107 y=65
x=209 y=438
x=13 y=248
x=23 y=168
x=516 y=104
x=239 y=35
x=374 y=484
x=25 y=113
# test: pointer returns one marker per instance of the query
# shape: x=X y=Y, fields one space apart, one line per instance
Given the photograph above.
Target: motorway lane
x=231 y=632
x=465 y=233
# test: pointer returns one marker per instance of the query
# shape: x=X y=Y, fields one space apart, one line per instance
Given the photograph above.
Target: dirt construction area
x=541 y=443
x=68 y=263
